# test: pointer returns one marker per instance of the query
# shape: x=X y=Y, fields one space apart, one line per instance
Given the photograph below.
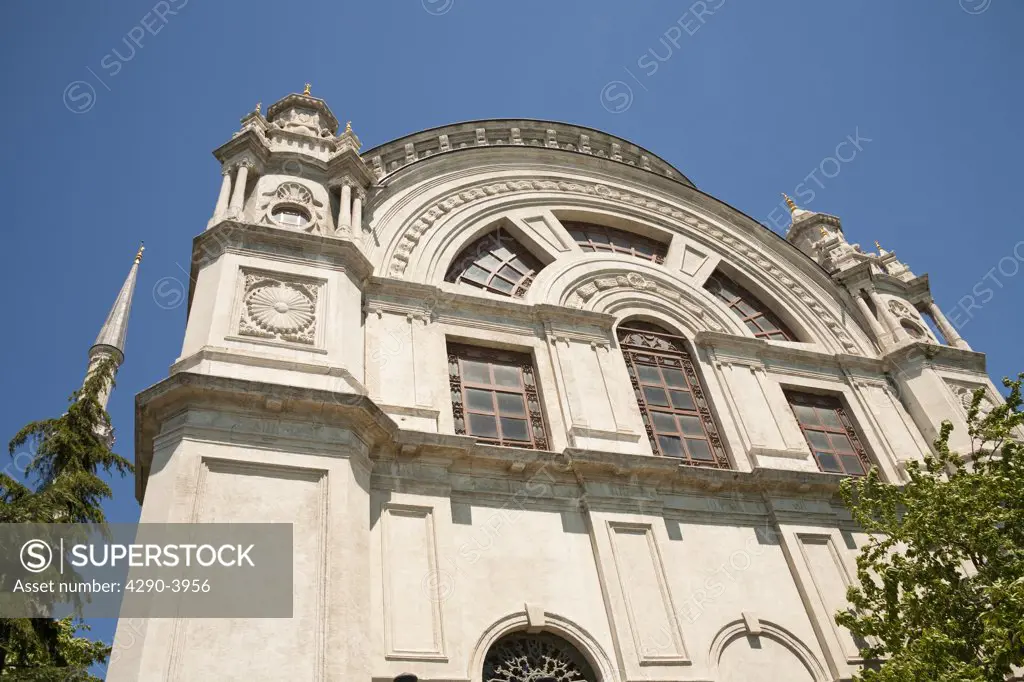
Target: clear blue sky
x=747 y=102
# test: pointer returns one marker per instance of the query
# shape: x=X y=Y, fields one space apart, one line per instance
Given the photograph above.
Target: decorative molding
x=741 y=627
x=635 y=280
x=293 y=194
x=276 y=306
x=963 y=394
x=421 y=225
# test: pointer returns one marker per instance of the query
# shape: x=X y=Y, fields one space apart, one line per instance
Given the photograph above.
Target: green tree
x=941 y=593
x=61 y=484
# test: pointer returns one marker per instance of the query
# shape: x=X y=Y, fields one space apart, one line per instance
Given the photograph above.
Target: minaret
x=110 y=341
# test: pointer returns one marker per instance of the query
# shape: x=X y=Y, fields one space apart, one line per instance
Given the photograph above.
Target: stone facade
x=319 y=384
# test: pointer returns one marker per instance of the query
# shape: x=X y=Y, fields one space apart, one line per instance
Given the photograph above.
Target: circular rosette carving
x=280 y=310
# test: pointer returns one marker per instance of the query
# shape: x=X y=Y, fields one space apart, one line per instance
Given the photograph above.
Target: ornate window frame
x=523 y=656
x=298 y=197
x=646 y=345
x=528 y=389
x=279 y=309
x=484 y=254
x=845 y=427
x=595 y=238
x=745 y=301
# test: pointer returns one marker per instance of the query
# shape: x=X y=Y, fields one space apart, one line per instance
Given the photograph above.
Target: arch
x=426 y=222
x=614 y=284
x=525 y=656
x=571 y=632
x=736 y=629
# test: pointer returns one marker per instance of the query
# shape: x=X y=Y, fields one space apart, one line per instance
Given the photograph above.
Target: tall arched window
x=591 y=237
x=672 y=401
x=526 y=657
x=759 y=319
x=497 y=263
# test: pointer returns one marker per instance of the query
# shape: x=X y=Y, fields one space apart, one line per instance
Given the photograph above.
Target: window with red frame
x=494 y=397
x=829 y=433
x=676 y=413
x=755 y=314
x=592 y=237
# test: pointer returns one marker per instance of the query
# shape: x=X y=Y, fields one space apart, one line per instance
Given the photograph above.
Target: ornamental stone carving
x=901 y=310
x=964 y=394
x=637 y=281
x=418 y=227
x=278 y=309
x=297 y=200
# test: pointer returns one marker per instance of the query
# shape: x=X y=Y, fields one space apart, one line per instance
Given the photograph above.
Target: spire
x=115 y=329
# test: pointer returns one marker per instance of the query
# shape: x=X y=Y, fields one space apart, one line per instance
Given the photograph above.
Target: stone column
x=949 y=332
x=876 y=327
x=898 y=333
x=222 y=198
x=238 y=197
x=345 y=209
x=357 y=211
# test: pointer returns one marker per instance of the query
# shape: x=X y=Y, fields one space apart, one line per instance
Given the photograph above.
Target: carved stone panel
x=279 y=307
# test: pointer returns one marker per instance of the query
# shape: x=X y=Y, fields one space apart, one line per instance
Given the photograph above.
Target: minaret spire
x=110 y=341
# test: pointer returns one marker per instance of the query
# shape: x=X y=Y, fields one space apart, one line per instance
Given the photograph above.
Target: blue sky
x=749 y=99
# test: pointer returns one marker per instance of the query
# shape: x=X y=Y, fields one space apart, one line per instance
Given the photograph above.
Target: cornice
x=276 y=242
x=602 y=478
x=403 y=296
x=397 y=154
x=934 y=355
x=744 y=347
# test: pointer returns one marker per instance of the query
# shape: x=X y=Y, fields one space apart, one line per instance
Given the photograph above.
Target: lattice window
x=494 y=397
x=522 y=657
x=497 y=263
x=592 y=237
x=672 y=401
x=755 y=314
x=830 y=433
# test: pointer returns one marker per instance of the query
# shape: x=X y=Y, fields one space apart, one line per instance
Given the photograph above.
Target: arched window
x=592 y=237
x=525 y=657
x=497 y=263
x=756 y=315
x=672 y=401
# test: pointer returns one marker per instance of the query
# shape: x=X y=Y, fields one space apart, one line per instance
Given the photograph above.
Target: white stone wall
x=418 y=548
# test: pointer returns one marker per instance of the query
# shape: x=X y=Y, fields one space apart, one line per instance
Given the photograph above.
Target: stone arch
x=556 y=625
x=437 y=216
x=734 y=633
x=613 y=284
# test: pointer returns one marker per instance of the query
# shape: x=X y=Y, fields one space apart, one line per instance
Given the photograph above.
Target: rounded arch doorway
x=540 y=657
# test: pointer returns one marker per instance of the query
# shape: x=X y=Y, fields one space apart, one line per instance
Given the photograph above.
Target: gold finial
x=138 y=255
x=259 y=105
x=877 y=245
x=824 y=232
x=348 y=127
x=306 y=91
x=789 y=202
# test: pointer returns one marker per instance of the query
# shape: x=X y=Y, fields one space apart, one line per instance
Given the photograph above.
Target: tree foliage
x=941 y=593
x=61 y=483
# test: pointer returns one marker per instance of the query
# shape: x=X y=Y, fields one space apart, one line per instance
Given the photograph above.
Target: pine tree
x=62 y=484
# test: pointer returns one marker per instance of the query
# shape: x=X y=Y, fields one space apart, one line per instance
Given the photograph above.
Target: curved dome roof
x=391 y=156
